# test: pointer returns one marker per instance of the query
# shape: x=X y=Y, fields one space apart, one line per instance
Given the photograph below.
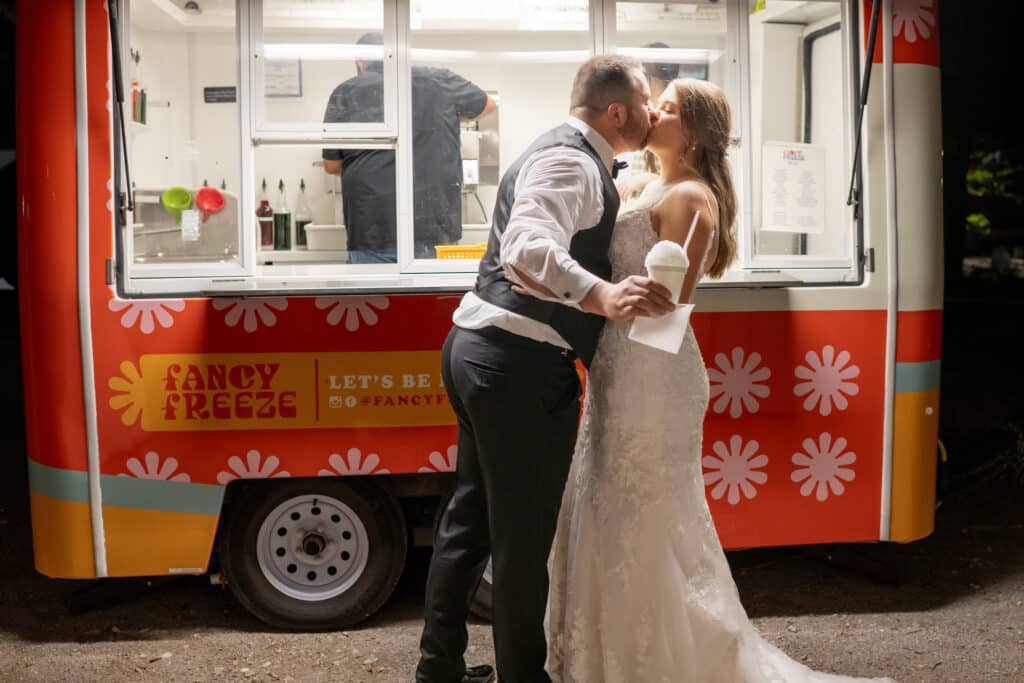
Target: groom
x=541 y=298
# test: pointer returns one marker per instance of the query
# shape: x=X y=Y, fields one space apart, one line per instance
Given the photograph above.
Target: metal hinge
x=869 y=260
x=110 y=271
x=123 y=208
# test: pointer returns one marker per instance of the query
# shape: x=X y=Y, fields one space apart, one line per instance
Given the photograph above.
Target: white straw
x=693 y=225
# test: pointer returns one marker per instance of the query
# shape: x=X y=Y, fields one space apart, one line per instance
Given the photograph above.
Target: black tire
x=343 y=568
x=482 y=604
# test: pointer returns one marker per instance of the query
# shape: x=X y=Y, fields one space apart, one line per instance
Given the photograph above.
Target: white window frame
x=408 y=264
x=138 y=275
x=802 y=268
x=267 y=132
x=246 y=276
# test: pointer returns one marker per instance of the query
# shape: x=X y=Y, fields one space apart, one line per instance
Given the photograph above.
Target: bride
x=640 y=587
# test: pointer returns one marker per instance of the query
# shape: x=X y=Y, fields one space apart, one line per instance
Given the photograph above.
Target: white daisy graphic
x=442 y=462
x=913 y=18
x=147 y=312
x=827 y=380
x=355 y=463
x=154 y=469
x=737 y=383
x=252 y=311
x=254 y=467
x=823 y=467
x=734 y=470
x=352 y=309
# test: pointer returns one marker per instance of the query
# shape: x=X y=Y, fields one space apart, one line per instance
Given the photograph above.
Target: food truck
x=197 y=392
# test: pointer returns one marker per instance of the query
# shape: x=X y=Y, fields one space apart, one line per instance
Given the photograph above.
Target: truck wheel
x=310 y=554
x=482 y=604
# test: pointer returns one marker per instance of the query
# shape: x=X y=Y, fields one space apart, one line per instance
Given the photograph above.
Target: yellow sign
x=284 y=391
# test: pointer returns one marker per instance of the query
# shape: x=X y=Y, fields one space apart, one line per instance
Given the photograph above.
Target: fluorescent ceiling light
x=459 y=9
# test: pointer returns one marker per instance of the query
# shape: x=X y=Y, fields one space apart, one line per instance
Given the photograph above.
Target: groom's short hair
x=605 y=79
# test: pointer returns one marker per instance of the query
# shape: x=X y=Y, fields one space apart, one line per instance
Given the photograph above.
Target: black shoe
x=483 y=673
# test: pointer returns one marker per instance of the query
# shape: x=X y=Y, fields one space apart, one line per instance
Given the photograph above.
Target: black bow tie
x=618 y=166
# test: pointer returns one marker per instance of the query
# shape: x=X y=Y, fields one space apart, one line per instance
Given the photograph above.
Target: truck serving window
x=288 y=146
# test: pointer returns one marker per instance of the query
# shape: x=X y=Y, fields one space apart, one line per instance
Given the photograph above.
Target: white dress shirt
x=558 y=192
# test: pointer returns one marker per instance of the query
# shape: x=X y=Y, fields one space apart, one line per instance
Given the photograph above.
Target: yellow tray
x=464 y=251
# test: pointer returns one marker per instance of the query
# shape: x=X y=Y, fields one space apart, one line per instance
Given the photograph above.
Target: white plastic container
x=325 y=237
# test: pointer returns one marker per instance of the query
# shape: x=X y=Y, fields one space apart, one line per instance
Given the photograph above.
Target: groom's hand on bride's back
x=634 y=297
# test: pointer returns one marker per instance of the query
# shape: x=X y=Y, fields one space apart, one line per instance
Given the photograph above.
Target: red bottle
x=265 y=217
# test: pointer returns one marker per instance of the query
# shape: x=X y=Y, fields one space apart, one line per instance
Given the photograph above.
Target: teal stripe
x=128 y=492
x=69 y=485
x=164 y=496
x=917 y=376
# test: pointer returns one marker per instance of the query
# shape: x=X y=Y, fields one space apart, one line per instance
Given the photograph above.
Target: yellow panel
x=61 y=538
x=150 y=542
x=915 y=440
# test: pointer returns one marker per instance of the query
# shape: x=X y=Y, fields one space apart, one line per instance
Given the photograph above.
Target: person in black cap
x=660 y=74
x=440 y=100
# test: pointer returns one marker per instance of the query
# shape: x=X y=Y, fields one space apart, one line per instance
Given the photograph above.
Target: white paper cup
x=670 y=276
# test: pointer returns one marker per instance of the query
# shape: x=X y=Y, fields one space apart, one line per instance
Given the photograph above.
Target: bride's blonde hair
x=704 y=110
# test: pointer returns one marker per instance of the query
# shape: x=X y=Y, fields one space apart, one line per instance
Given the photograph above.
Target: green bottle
x=303 y=216
x=282 y=221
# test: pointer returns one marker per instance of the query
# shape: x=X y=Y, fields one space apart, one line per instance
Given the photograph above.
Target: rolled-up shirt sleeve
x=558 y=193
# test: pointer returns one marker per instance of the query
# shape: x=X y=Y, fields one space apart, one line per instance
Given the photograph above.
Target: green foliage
x=992 y=179
x=980 y=224
x=993 y=174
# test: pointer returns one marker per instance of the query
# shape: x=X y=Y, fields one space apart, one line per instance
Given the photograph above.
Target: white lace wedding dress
x=640 y=587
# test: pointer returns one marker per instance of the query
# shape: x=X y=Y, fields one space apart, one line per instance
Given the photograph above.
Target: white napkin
x=665 y=333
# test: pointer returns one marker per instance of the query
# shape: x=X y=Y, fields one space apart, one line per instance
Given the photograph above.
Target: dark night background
x=981 y=414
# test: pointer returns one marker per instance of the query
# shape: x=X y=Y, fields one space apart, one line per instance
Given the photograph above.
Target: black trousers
x=517 y=402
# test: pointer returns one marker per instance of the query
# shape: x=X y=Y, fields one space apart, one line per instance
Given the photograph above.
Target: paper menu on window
x=793 y=187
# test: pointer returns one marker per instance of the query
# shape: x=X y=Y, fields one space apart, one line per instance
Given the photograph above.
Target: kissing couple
x=606 y=564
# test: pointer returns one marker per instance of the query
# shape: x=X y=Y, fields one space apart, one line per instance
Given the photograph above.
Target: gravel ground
x=948 y=608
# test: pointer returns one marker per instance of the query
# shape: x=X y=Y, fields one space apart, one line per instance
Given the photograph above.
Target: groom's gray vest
x=588 y=247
